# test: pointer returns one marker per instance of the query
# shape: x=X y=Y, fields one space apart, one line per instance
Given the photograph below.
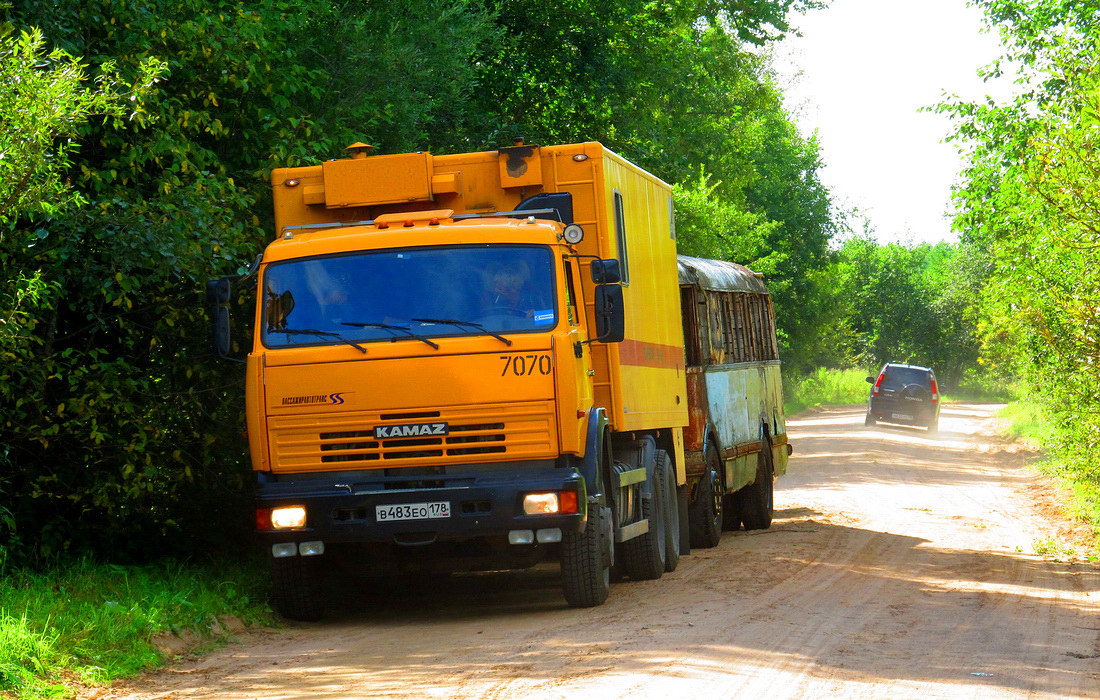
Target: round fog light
x=573 y=234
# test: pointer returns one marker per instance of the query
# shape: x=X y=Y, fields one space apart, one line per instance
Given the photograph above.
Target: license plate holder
x=430 y=510
x=901 y=416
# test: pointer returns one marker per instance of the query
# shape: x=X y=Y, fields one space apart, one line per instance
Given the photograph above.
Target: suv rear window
x=898 y=377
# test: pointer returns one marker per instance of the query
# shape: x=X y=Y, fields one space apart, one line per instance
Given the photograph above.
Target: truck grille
x=351 y=447
x=347 y=441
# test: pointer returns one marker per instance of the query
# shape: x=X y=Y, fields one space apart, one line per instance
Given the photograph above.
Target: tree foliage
x=43 y=106
x=1030 y=221
x=905 y=304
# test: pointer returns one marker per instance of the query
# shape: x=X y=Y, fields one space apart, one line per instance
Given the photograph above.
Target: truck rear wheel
x=755 y=500
x=299 y=594
x=666 y=480
x=644 y=556
x=586 y=560
x=707 y=511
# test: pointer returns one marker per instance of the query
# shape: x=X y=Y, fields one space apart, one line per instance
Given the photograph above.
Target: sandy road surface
x=899 y=565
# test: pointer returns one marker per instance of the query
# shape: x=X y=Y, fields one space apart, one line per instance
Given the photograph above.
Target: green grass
x=96 y=623
x=824 y=387
x=1027 y=421
x=987 y=389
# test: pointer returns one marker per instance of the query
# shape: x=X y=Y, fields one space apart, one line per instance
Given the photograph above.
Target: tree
x=1029 y=217
x=43 y=109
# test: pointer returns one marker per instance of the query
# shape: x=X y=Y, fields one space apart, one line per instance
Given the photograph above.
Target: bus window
x=689 y=315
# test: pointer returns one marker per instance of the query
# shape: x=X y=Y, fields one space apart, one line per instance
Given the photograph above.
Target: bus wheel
x=644 y=556
x=755 y=500
x=666 y=482
x=299 y=593
x=706 y=512
x=586 y=560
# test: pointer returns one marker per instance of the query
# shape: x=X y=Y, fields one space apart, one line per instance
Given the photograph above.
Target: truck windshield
x=412 y=293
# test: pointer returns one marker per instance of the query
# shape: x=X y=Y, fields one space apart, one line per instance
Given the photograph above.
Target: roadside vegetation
x=136 y=153
x=94 y=623
x=823 y=387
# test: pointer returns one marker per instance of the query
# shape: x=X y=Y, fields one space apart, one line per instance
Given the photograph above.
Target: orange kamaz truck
x=468 y=362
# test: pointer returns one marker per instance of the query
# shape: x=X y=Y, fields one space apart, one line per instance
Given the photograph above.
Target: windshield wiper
x=321 y=334
x=471 y=324
x=390 y=327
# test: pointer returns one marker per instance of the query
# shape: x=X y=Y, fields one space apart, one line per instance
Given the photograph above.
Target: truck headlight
x=288 y=517
x=539 y=503
x=551 y=502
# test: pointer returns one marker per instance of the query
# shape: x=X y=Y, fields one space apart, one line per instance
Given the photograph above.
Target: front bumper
x=905 y=412
x=485 y=501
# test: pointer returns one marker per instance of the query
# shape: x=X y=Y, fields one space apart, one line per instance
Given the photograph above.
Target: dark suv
x=904 y=394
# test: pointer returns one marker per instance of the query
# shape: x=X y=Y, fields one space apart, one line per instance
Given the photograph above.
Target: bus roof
x=718 y=275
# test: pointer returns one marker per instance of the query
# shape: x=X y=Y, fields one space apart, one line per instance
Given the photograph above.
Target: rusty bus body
x=736 y=440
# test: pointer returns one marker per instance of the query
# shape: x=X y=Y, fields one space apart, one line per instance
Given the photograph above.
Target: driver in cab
x=505 y=290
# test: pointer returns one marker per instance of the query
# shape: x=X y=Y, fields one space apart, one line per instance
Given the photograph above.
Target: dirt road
x=900 y=564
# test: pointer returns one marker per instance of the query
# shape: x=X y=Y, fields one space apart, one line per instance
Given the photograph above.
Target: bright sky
x=858 y=75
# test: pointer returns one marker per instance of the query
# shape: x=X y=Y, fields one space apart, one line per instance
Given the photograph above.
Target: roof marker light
x=408 y=223
x=383 y=224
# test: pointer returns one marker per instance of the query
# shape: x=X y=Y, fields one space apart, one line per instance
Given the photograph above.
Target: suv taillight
x=878 y=383
x=935 y=391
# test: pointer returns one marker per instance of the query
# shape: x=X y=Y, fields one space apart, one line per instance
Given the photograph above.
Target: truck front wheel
x=299 y=593
x=586 y=560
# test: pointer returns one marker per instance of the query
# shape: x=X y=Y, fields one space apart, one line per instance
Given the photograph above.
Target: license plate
x=901 y=416
x=413 y=511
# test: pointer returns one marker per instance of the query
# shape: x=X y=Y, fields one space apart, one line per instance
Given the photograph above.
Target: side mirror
x=606 y=271
x=870 y=380
x=610 y=313
x=278 y=308
x=218 y=293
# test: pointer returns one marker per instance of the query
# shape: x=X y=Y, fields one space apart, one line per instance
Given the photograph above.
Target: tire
x=644 y=556
x=755 y=499
x=586 y=560
x=299 y=593
x=934 y=424
x=707 y=511
x=869 y=419
x=667 y=482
